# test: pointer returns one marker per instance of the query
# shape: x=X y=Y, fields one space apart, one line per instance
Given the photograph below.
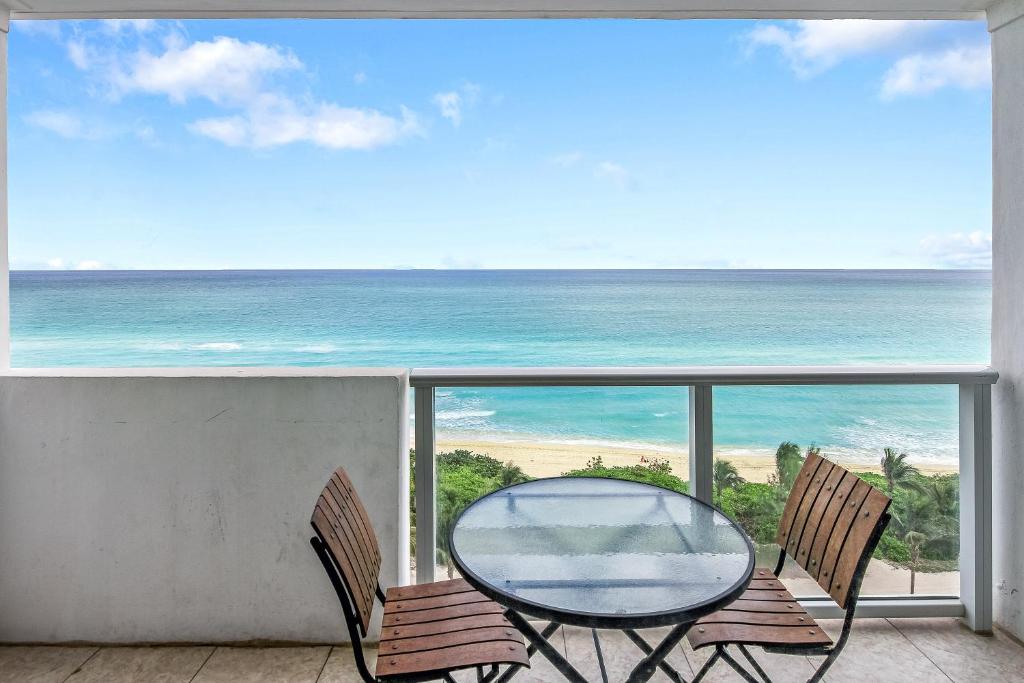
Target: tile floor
x=879 y=650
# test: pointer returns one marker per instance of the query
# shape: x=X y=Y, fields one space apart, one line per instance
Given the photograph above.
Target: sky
x=499 y=144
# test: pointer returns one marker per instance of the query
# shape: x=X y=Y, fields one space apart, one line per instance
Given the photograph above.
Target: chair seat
x=444 y=626
x=766 y=614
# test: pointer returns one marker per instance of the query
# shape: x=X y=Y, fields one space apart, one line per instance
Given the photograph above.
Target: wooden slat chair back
x=830 y=527
x=429 y=630
x=829 y=520
x=340 y=520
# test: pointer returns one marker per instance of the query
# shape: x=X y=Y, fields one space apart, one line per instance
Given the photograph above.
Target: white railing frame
x=974 y=603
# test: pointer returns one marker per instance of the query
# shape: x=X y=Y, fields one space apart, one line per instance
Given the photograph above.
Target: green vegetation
x=462 y=477
x=922 y=537
x=649 y=471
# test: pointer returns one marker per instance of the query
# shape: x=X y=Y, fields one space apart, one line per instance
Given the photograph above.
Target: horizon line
x=484 y=270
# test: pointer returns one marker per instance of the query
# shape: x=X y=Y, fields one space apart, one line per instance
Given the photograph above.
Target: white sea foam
x=865 y=439
x=456 y=415
x=317 y=348
x=216 y=346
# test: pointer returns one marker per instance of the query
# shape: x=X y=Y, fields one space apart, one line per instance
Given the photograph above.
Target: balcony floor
x=879 y=650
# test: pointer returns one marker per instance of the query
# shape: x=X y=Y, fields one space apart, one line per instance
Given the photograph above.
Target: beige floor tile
x=150 y=664
x=876 y=651
x=41 y=664
x=341 y=665
x=259 y=665
x=619 y=652
x=962 y=655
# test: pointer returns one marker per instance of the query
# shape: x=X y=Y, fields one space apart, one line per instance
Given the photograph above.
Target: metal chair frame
x=355 y=630
x=831 y=653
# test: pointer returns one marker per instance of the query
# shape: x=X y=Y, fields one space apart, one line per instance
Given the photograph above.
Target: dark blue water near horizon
x=420 y=318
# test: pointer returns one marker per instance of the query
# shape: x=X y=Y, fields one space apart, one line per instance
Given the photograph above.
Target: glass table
x=603 y=554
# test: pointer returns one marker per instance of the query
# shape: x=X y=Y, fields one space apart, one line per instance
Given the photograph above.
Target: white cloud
x=567 y=159
x=450 y=104
x=968 y=68
x=453 y=103
x=37 y=27
x=959 y=250
x=236 y=76
x=80 y=54
x=224 y=70
x=359 y=77
x=613 y=172
x=145 y=132
x=813 y=46
x=118 y=26
x=62 y=123
x=276 y=121
x=55 y=264
x=88 y=265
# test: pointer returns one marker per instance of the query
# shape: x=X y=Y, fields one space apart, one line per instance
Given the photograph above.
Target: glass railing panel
x=762 y=435
x=494 y=437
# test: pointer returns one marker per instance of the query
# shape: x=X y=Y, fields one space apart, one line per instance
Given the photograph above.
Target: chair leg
x=753 y=663
x=824 y=666
x=738 y=667
x=707 y=665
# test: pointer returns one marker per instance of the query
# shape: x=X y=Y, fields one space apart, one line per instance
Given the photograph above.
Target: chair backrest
x=341 y=522
x=831 y=521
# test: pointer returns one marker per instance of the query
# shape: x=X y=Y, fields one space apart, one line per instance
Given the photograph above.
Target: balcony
x=176 y=510
x=161 y=506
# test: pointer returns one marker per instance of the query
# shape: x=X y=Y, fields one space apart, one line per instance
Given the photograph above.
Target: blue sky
x=499 y=144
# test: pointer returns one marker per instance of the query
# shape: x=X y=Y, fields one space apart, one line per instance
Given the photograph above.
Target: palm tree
x=726 y=476
x=915 y=523
x=898 y=472
x=510 y=474
x=788 y=462
x=915 y=540
x=945 y=493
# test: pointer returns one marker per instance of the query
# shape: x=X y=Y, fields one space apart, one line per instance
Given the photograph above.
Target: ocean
x=421 y=318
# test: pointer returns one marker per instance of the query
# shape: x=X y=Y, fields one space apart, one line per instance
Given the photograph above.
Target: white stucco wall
x=1008 y=321
x=159 y=506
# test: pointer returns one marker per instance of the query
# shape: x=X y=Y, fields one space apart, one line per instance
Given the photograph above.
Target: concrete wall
x=174 y=505
x=1008 y=319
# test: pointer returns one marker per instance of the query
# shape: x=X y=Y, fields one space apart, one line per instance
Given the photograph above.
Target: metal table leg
x=647 y=649
x=540 y=642
x=600 y=656
x=649 y=664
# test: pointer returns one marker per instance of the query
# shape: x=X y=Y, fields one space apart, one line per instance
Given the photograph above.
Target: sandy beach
x=550 y=459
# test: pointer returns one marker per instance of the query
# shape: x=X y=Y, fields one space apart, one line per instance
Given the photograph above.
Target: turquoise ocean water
x=545 y=318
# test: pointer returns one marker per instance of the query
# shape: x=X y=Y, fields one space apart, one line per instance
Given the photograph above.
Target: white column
x=426 y=485
x=976 y=505
x=5 y=279
x=1007 y=29
x=702 y=442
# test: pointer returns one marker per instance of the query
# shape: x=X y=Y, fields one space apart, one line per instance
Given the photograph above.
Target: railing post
x=5 y=291
x=976 y=505
x=702 y=441
x=426 y=485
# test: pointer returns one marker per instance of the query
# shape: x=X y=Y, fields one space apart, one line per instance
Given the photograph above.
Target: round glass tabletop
x=602 y=553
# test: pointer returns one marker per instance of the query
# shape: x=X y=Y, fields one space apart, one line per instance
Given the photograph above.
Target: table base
x=654 y=656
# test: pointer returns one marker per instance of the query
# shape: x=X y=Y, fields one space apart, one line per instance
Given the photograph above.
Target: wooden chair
x=429 y=630
x=830 y=526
